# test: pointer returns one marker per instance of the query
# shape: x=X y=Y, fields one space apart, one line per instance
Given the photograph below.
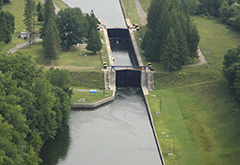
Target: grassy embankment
x=199 y=111
x=86 y=70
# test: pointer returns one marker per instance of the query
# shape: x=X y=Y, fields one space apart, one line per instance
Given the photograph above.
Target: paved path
x=141 y=13
x=19 y=46
x=37 y=39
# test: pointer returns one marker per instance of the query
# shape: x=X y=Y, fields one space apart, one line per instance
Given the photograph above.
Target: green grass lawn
x=145 y=4
x=203 y=104
x=89 y=97
x=60 y=4
x=71 y=59
x=200 y=111
x=131 y=11
x=16 y=7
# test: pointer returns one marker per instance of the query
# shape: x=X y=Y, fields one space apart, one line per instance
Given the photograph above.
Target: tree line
x=34 y=104
x=7 y=24
x=172 y=38
x=228 y=11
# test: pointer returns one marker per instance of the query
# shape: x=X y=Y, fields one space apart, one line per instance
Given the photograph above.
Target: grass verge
x=80 y=93
x=200 y=110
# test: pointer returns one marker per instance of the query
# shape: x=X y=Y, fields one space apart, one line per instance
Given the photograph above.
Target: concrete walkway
x=20 y=46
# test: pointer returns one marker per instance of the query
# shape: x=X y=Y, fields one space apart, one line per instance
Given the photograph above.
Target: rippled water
x=108 y=10
x=118 y=133
x=115 y=134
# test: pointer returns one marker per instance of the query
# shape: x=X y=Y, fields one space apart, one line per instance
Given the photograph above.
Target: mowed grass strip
x=170 y=123
x=211 y=115
x=130 y=11
x=60 y=4
x=216 y=38
x=74 y=59
x=78 y=94
x=145 y=5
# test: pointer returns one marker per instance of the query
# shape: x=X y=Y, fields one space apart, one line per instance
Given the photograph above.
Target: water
x=102 y=9
x=118 y=133
x=120 y=52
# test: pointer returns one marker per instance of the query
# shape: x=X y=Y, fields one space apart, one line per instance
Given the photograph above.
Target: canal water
x=118 y=133
x=108 y=10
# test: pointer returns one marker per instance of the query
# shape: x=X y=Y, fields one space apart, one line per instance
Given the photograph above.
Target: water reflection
x=57 y=149
x=117 y=133
x=120 y=50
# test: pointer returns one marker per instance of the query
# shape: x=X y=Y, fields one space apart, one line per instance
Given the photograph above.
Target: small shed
x=24 y=35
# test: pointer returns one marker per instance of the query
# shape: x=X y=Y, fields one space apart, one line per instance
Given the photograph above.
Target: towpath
x=141 y=13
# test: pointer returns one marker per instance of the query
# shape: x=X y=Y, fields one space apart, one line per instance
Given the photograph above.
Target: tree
x=170 y=56
x=225 y=11
x=91 y=23
x=164 y=23
x=148 y=35
x=48 y=13
x=94 y=42
x=190 y=6
x=40 y=12
x=59 y=78
x=1 y=3
x=51 y=41
x=39 y=6
x=148 y=50
x=5 y=30
x=11 y=21
x=70 y=23
x=231 y=64
x=29 y=19
x=193 y=40
x=183 y=51
x=40 y=16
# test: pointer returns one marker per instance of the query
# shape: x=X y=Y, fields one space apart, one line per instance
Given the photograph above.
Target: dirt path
x=141 y=13
x=201 y=58
x=69 y=67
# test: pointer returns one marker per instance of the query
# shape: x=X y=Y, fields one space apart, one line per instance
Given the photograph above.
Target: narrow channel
x=114 y=134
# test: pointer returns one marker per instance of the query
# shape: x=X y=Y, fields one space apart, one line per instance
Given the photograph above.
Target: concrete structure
x=94 y=105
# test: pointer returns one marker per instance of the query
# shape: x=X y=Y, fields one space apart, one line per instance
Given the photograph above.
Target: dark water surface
x=120 y=52
x=118 y=133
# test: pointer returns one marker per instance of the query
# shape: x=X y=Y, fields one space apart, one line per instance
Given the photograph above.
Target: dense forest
x=7 y=24
x=172 y=38
x=35 y=102
x=34 y=105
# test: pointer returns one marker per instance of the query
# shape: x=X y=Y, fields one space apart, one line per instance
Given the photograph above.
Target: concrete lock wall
x=123 y=34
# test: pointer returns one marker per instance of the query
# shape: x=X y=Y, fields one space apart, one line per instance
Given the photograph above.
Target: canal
x=114 y=134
